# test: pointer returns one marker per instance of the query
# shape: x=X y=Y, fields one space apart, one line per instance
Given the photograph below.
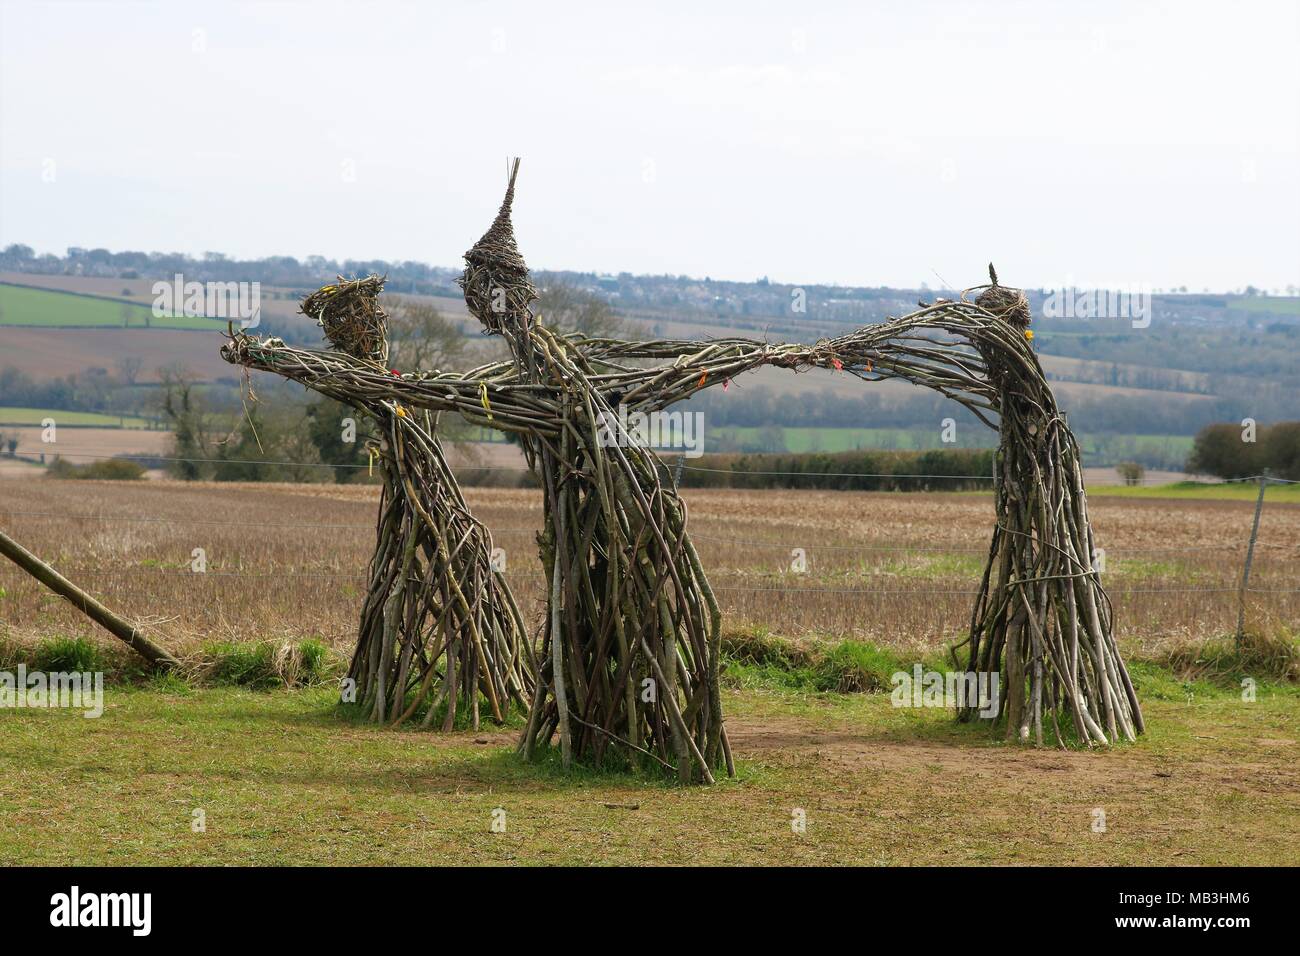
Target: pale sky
x=884 y=143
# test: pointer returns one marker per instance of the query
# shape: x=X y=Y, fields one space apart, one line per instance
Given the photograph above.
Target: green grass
x=262 y=665
x=755 y=658
x=1118 y=447
x=927 y=567
x=853 y=667
x=1227 y=661
x=24 y=306
x=1281 y=305
x=1140 y=571
x=282 y=777
x=12 y=415
x=290 y=776
x=1183 y=491
x=1200 y=491
x=67 y=654
x=829 y=439
x=1096 y=447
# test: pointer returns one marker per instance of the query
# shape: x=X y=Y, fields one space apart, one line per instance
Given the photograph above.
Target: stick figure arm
x=491 y=396
x=902 y=348
x=694 y=366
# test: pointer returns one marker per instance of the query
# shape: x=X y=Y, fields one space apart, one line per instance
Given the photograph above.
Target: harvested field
x=56 y=353
x=896 y=569
x=80 y=445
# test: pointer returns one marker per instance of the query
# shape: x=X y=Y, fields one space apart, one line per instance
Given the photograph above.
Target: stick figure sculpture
x=1042 y=620
x=438 y=624
x=630 y=642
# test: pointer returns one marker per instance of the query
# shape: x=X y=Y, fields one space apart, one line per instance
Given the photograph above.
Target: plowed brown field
x=898 y=569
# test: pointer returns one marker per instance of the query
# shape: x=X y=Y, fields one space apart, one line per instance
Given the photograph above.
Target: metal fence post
x=1250 y=557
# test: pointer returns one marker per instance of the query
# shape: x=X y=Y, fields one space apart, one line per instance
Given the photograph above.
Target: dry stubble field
x=288 y=779
x=896 y=569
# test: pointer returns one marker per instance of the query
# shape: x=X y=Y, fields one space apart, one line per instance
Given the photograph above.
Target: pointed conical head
x=497 y=288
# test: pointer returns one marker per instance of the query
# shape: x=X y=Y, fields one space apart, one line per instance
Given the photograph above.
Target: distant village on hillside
x=683 y=295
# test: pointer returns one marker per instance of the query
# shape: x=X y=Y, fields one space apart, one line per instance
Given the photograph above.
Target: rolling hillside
x=1139 y=393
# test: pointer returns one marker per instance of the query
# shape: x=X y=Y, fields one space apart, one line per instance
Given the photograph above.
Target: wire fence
x=358 y=574
x=498 y=532
x=106 y=455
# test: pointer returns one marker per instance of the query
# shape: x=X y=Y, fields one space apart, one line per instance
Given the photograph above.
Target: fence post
x=677 y=476
x=1250 y=557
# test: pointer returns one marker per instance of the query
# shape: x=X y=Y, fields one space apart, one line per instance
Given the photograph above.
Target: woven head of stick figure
x=498 y=291
x=1004 y=302
x=351 y=316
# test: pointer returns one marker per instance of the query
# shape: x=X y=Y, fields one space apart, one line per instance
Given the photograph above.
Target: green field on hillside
x=42 y=308
x=1201 y=491
x=1168 y=450
x=1282 y=305
x=34 y=417
x=797 y=440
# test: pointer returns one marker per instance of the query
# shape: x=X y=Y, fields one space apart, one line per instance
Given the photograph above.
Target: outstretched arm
x=912 y=348
x=491 y=396
x=693 y=366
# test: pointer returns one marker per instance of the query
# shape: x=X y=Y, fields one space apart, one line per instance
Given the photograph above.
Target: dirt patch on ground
x=866 y=749
x=1010 y=768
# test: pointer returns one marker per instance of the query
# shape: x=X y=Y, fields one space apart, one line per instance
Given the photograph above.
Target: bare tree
x=128 y=368
x=422 y=337
x=189 y=436
x=566 y=308
x=1131 y=471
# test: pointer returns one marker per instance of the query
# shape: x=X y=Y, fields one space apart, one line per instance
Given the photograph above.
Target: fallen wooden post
x=118 y=627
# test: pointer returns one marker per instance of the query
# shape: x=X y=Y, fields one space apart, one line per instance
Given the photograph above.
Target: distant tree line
x=295 y=441
x=757 y=406
x=1224 y=451
x=941 y=470
x=111 y=469
x=404 y=276
x=90 y=390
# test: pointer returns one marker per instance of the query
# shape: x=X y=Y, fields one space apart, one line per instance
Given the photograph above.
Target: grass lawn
x=1201 y=491
x=20 y=305
x=282 y=777
x=10 y=415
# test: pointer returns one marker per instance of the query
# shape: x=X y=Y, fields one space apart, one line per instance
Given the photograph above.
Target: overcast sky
x=885 y=143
